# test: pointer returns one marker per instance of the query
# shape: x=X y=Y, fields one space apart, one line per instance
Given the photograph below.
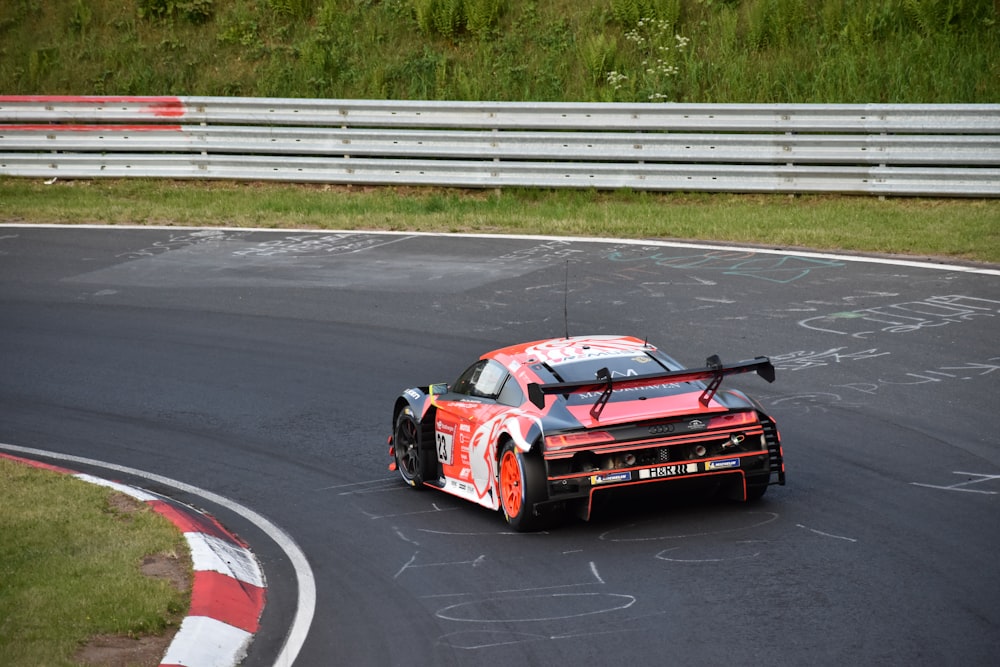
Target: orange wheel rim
x=510 y=484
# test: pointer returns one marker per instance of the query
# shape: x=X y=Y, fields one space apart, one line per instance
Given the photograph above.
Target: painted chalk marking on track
x=410 y=563
x=399 y=514
x=904 y=317
x=968 y=370
x=614 y=602
x=662 y=556
x=384 y=480
x=746 y=263
x=803 y=359
x=833 y=257
x=507 y=638
x=820 y=532
x=962 y=486
x=769 y=517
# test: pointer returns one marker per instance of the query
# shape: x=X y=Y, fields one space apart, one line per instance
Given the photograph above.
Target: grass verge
x=950 y=229
x=70 y=558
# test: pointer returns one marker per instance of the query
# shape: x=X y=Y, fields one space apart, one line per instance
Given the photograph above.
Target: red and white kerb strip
x=227 y=595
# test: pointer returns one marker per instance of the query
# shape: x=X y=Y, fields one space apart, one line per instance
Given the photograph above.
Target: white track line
x=570 y=239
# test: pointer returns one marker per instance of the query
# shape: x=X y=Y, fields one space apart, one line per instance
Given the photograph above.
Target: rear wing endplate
x=713 y=373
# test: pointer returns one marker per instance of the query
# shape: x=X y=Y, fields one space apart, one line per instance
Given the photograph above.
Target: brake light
x=578 y=439
x=732 y=419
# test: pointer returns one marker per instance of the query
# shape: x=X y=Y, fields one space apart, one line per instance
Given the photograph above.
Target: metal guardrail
x=908 y=150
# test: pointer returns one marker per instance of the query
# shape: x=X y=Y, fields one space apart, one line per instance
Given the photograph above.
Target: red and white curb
x=228 y=591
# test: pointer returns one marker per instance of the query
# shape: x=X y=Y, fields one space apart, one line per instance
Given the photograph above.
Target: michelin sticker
x=725 y=464
x=610 y=478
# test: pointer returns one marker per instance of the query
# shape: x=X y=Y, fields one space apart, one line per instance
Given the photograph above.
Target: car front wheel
x=412 y=461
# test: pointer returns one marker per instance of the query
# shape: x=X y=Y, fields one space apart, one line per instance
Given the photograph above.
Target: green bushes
x=574 y=50
x=452 y=18
x=196 y=11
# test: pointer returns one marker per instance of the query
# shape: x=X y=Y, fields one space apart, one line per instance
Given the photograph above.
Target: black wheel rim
x=406 y=449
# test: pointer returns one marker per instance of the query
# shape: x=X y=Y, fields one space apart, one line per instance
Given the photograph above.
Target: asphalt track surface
x=262 y=366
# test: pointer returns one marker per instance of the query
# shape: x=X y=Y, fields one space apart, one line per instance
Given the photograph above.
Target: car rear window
x=620 y=366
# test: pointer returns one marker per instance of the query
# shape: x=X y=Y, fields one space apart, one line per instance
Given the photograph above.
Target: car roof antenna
x=566 y=301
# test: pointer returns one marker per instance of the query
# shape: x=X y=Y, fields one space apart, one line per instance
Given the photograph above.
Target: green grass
x=69 y=567
x=828 y=51
x=960 y=229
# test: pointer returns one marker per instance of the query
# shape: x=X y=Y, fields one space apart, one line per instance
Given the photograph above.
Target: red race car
x=539 y=428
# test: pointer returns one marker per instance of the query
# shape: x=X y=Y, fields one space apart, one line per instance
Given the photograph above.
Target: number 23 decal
x=445 y=446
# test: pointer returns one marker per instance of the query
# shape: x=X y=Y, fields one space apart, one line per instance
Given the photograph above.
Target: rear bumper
x=576 y=475
x=741 y=469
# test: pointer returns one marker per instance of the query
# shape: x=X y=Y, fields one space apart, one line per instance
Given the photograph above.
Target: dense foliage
x=901 y=51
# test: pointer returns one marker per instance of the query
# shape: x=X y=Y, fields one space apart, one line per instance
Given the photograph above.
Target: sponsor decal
x=413 y=393
x=590 y=395
x=668 y=471
x=445 y=447
x=559 y=350
x=610 y=477
x=481 y=450
x=725 y=464
x=696 y=425
x=459 y=488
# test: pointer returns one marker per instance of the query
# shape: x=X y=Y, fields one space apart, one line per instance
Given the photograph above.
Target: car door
x=464 y=433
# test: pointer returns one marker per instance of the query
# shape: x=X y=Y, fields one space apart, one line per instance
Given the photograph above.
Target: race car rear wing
x=713 y=372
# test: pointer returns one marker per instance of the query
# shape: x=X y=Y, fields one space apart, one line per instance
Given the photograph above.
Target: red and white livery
x=540 y=428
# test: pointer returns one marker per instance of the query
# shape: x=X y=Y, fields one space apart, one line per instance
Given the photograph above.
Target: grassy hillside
x=898 y=51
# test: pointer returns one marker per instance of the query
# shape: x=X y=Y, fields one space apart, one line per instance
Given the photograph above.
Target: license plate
x=668 y=471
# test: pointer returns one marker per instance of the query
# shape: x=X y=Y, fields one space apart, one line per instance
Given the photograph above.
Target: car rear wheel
x=756 y=490
x=522 y=484
x=412 y=460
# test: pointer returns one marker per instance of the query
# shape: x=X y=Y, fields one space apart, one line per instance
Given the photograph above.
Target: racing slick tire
x=738 y=489
x=755 y=490
x=413 y=460
x=522 y=484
